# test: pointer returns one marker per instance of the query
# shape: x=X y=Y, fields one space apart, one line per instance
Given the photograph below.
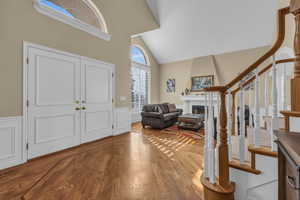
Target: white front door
x=70 y=101
x=53 y=89
x=97 y=100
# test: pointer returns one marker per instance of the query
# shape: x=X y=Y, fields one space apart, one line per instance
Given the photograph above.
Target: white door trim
x=26 y=46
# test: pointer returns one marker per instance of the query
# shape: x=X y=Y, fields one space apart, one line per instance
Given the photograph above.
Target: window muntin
x=138 y=56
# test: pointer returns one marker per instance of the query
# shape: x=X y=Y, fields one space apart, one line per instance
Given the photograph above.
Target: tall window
x=140 y=75
x=81 y=14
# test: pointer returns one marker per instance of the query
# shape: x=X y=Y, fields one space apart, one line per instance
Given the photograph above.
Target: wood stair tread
x=244 y=167
x=262 y=150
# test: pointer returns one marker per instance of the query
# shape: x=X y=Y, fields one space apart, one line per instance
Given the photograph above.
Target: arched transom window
x=138 y=55
x=82 y=14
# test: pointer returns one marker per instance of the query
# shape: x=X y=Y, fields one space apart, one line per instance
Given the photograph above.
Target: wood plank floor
x=145 y=164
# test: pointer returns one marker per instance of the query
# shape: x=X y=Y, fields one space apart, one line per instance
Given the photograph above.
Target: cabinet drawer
x=292 y=181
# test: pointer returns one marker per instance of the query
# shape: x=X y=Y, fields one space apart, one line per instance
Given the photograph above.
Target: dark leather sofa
x=160 y=116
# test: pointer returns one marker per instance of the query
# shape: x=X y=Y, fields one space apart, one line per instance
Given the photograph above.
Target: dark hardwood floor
x=145 y=164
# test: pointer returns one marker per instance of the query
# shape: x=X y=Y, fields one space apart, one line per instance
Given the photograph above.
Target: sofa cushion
x=152 y=115
x=150 y=108
x=164 y=108
x=169 y=116
x=172 y=108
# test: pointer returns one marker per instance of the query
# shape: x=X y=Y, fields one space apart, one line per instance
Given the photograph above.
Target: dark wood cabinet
x=288 y=165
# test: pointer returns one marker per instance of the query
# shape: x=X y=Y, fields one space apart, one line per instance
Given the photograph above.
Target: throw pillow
x=164 y=108
x=172 y=108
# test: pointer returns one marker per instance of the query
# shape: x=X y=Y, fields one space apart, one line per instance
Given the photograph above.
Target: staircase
x=241 y=162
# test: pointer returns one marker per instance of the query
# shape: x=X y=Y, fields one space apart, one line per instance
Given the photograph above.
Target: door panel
x=97 y=84
x=62 y=76
x=97 y=99
x=53 y=89
x=51 y=128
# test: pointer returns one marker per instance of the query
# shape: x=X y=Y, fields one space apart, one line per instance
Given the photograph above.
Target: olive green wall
x=19 y=22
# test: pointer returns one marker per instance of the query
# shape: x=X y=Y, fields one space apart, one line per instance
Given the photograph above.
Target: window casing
x=140 y=89
x=141 y=79
x=73 y=16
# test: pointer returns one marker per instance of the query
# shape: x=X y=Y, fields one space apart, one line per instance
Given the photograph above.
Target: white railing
x=242 y=125
x=256 y=131
x=212 y=112
x=229 y=123
x=210 y=163
x=274 y=121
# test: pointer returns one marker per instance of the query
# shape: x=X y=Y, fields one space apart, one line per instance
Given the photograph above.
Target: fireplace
x=197 y=109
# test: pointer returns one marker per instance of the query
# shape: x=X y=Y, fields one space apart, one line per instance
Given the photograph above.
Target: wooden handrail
x=280 y=38
x=263 y=71
x=223 y=157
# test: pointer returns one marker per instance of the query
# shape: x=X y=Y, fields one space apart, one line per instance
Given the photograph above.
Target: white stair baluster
x=217 y=109
x=267 y=94
x=206 y=135
x=256 y=131
x=250 y=108
x=242 y=126
x=212 y=177
x=284 y=96
x=229 y=123
x=274 y=121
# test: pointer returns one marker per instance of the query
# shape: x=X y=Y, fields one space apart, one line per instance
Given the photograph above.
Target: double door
x=69 y=101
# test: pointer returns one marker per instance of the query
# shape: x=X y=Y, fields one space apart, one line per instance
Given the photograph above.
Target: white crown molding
x=45 y=10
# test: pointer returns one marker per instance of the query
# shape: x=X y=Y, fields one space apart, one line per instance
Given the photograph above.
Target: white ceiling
x=193 y=28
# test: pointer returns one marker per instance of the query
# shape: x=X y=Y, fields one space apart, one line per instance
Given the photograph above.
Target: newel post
x=223 y=146
x=295 y=82
x=223 y=189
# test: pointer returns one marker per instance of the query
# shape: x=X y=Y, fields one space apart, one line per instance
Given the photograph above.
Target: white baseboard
x=12 y=142
x=122 y=118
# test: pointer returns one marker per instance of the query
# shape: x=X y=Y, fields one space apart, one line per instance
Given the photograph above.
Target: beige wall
x=155 y=70
x=20 y=21
x=225 y=68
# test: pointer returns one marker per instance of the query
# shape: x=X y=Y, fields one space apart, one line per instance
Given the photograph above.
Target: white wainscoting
x=12 y=142
x=258 y=187
x=294 y=124
x=122 y=120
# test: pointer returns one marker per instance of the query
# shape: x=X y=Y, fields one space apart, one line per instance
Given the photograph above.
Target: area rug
x=192 y=134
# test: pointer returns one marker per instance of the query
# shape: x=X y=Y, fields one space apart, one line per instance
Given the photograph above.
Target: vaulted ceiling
x=193 y=28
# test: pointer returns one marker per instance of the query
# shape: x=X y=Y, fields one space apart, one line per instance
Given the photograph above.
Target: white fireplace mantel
x=192 y=100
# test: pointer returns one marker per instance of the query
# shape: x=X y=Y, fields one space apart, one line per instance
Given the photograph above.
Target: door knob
x=77 y=108
x=83 y=108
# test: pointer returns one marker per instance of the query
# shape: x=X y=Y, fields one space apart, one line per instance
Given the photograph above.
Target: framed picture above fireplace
x=201 y=82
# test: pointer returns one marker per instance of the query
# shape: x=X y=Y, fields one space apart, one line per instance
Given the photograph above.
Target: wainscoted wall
x=258 y=187
x=122 y=119
x=295 y=124
x=12 y=142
